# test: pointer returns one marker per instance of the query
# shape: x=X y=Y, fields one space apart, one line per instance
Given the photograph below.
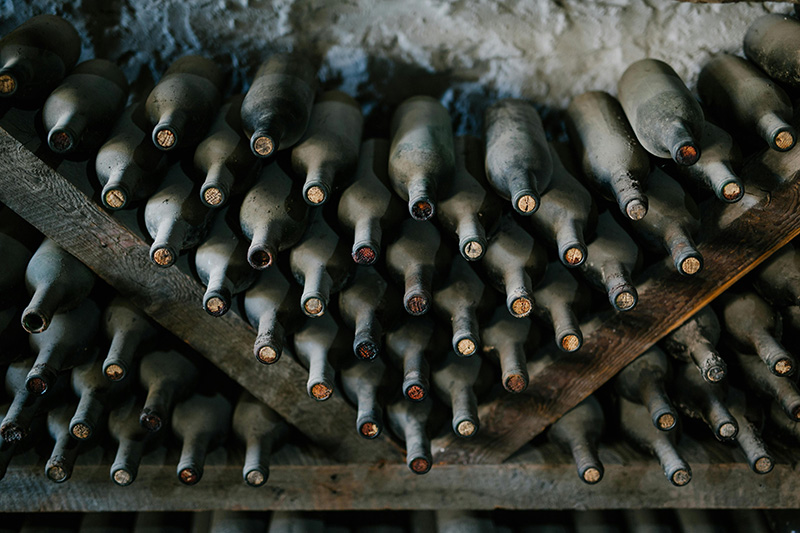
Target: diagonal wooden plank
x=735 y=239
x=52 y=204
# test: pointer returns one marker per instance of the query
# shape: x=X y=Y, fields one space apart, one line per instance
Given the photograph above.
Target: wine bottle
x=566 y=213
x=277 y=108
x=753 y=326
x=778 y=278
x=175 y=217
x=453 y=380
x=57 y=282
x=66 y=343
x=510 y=341
x=408 y=420
x=770 y=43
x=7 y=449
x=202 y=424
x=262 y=431
x=272 y=216
x=636 y=426
x=128 y=166
x=132 y=441
x=578 y=433
x=182 y=105
x=613 y=161
x=412 y=261
x=19 y=418
x=667 y=120
x=128 y=329
x=611 y=260
x=786 y=426
x=467 y=209
x=271 y=307
x=642 y=382
x=696 y=398
x=518 y=162
x=695 y=342
x=367 y=206
x=319 y=346
x=421 y=158
x=715 y=170
x=735 y=91
x=671 y=220
x=457 y=302
x=224 y=158
x=363 y=306
x=559 y=300
x=65 y=451
x=514 y=264
x=319 y=264
x=363 y=384
x=783 y=390
x=750 y=416
x=35 y=57
x=406 y=348
x=329 y=149
x=168 y=377
x=95 y=394
x=80 y=112
x=221 y=263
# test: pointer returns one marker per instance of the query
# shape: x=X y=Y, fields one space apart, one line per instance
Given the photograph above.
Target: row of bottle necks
x=630 y=521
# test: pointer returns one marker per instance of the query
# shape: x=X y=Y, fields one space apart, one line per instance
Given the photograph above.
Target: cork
x=521 y=307
x=473 y=250
x=321 y=392
x=122 y=477
x=115 y=198
x=784 y=366
x=314 y=306
x=731 y=191
x=315 y=195
x=727 y=430
x=526 y=203
x=163 y=257
x=417 y=305
x=573 y=256
x=267 y=355
x=369 y=429
x=635 y=210
x=415 y=392
x=422 y=210
x=681 y=477
x=165 y=138
x=625 y=300
x=763 y=465
x=57 y=473
x=784 y=140
x=189 y=476
x=365 y=255
x=215 y=306
x=213 y=196
x=466 y=428
x=687 y=155
x=60 y=141
x=263 y=146
x=255 y=478
x=420 y=465
x=515 y=383
x=466 y=347
x=570 y=343
x=666 y=421
x=591 y=475
x=81 y=431
x=690 y=265
x=7 y=84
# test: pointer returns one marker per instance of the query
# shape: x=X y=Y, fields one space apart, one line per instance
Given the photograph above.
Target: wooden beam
x=56 y=207
x=736 y=238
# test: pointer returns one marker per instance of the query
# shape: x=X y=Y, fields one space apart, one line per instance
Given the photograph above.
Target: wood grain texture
x=735 y=238
x=52 y=204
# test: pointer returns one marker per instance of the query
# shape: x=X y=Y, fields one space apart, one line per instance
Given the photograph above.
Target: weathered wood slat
x=736 y=238
x=53 y=205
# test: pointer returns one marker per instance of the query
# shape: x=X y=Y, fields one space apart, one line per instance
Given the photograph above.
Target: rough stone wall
x=466 y=52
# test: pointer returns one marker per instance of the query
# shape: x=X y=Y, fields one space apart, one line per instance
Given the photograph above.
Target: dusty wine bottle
x=132 y=441
x=671 y=220
x=367 y=206
x=783 y=390
x=412 y=261
x=175 y=217
x=329 y=149
x=262 y=431
x=457 y=302
x=518 y=161
x=771 y=42
x=642 y=381
x=611 y=260
x=277 y=108
x=7 y=449
x=466 y=208
x=202 y=424
x=611 y=157
x=510 y=341
x=453 y=380
x=223 y=157
x=407 y=347
x=319 y=264
x=578 y=433
x=559 y=300
x=271 y=307
x=66 y=343
x=128 y=329
x=636 y=426
x=128 y=166
x=79 y=113
x=667 y=120
x=778 y=278
x=168 y=377
x=319 y=345
x=738 y=93
x=408 y=420
x=786 y=425
x=696 y=398
x=25 y=405
x=421 y=158
x=221 y=263
x=753 y=326
x=364 y=306
x=750 y=416
x=695 y=342
x=35 y=57
x=57 y=282
x=514 y=264
x=182 y=105
x=272 y=216
x=95 y=393
x=715 y=170
x=62 y=459
x=363 y=385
